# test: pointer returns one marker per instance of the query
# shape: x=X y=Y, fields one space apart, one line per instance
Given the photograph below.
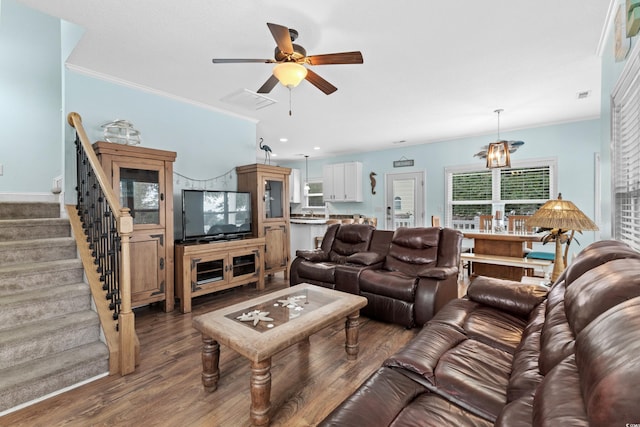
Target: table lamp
x=560 y=216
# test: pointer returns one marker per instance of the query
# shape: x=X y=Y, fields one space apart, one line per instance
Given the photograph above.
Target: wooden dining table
x=501 y=244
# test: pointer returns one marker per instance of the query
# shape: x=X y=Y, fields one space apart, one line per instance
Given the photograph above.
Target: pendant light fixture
x=498 y=152
x=306 y=174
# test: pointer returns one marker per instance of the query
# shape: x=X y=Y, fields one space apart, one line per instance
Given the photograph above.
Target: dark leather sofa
x=510 y=354
x=406 y=275
x=346 y=244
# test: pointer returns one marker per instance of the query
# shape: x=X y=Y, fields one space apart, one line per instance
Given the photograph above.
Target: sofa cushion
x=413 y=249
x=609 y=367
x=486 y=324
x=393 y=284
x=525 y=372
x=591 y=294
x=377 y=402
x=518 y=413
x=350 y=238
x=556 y=339
x=513 y=297
x=317 y=271
x=558 y=401
x=431 y=410
x=495 y=328
x=422 y=353
x=596 y=254
x=476 y=376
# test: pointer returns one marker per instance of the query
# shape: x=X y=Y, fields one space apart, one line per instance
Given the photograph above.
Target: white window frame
x=306 y=195
x=625 y=153
x=496 y=202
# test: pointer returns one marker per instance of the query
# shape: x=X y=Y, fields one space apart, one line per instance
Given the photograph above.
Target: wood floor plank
x=309 y=379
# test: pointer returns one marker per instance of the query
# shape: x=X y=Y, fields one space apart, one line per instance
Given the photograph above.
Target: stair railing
x=108 y=228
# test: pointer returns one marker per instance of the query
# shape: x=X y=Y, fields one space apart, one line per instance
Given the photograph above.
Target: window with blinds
x=625 y=156
x=520 y=190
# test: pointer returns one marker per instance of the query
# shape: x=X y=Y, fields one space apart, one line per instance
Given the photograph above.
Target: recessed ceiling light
x=316 y=148
x=283 y=140
x=274 y=155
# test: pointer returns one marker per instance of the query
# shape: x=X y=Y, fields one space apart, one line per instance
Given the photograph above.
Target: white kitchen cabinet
x=342 y=182
x=304 y=233
x=295 y=186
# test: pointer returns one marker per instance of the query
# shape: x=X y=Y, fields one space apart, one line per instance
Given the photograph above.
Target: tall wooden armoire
x=142 y=178
x=269 y=187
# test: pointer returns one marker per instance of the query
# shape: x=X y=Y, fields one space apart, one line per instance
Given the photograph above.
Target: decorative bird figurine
x=267 y=151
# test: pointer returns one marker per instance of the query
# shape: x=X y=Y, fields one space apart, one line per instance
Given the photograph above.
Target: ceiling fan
x=289 y=60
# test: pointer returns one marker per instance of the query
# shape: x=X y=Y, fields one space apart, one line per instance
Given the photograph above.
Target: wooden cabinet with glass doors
x=142 y=178
x=269 y=187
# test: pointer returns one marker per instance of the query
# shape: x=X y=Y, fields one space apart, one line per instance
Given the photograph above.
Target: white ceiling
x=432 y=71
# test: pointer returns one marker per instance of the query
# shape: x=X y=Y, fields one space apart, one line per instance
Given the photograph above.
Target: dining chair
x=486 y=222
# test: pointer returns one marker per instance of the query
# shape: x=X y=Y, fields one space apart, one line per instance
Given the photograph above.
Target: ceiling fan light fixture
x=290 y=74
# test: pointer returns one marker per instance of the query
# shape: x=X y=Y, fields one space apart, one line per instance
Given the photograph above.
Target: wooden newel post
x=126 y=319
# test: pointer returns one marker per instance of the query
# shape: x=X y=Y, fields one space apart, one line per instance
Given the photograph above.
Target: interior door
x=404 y=197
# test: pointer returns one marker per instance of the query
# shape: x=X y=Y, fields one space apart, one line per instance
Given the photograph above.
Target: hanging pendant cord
x=498 y=112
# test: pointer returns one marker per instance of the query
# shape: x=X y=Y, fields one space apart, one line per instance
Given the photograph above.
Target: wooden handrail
x=124 y=224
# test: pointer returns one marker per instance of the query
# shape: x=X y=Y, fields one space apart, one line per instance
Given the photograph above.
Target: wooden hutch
x=269 y=187
x=142 y=178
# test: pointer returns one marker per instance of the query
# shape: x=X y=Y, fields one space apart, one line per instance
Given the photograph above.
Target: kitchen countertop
x=299 y=220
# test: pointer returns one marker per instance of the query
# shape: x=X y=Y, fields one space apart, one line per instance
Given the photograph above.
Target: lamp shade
x=561 y=214
x=498 y=155
x=290 y=74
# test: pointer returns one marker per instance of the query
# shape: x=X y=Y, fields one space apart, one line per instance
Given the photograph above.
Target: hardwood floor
x=308 y=379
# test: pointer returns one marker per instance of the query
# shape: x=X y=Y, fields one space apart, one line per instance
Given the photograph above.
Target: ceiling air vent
x=248 y=99
x=584 y=94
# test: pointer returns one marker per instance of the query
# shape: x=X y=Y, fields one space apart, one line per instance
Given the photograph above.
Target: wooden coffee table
x=260 y=327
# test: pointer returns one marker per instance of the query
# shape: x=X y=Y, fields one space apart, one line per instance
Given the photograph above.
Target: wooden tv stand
x=203 y=268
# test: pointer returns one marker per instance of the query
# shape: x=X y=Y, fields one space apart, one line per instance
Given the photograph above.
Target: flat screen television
x=215 y=215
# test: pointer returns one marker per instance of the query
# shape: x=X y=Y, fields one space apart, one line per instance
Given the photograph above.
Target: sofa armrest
x=365 y=258
x=314 y=255
x=513 y=297
x=440 y=273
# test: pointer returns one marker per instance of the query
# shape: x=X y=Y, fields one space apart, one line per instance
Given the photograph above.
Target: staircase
x=49 y=334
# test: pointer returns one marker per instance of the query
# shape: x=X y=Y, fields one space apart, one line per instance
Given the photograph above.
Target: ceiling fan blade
x=240 y=60
x=320 y=83
x=282 y=38
x=268 y=85
x=335 y=58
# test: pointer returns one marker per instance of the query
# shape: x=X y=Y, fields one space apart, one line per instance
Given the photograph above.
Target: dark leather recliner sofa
x=406 y=275
x=341 y=244
x=511 y=354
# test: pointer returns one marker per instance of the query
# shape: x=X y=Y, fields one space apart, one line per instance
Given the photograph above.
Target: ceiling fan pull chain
x=289 y=101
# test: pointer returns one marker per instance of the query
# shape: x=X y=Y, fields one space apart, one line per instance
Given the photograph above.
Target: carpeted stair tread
x=28 y=229
x=43 y=338
x=25 y=307
x=20 y=210
x=25 y=251
x=30 y=380
x=31 y=276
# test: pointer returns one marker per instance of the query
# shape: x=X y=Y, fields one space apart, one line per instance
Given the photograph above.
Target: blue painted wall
x=573 y=144
x=30 y=93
